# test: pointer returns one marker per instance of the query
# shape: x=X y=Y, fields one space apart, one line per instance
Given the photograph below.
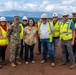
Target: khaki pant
x=14 y=51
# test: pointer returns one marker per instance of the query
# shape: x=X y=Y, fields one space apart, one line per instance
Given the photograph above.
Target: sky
x=58 y=6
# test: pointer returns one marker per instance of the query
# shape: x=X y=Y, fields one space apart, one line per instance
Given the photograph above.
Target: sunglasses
x=43 y=18
x=24 y=20
x=64 y=16
x=55 y=17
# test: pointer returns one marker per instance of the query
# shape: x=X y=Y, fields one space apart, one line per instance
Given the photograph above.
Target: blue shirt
x=71 y=24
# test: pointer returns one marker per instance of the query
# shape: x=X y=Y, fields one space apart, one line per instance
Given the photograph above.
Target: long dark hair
x=32 y=20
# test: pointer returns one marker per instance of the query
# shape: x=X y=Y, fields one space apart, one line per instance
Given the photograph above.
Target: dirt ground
x=37 y=68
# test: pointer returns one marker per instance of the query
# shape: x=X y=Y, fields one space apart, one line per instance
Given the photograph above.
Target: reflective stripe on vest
x=65 y=31
x=3 y=37
x=22 y=30
x=56 y=29
x=49 y=29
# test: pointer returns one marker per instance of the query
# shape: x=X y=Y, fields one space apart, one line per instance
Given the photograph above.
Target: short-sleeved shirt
x=30 y=35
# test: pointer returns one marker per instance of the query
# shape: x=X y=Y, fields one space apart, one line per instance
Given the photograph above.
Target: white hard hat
x=3 y=19
x=65 y=13
x=44 y=15
x=24 y=18
x=55 y=15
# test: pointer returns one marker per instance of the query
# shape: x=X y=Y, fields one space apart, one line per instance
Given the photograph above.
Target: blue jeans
x=27 y=48
x=55 y=43
x=47 y=45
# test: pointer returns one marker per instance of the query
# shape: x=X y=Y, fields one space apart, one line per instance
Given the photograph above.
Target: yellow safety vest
x=49 y=29
x=56 y=29
x=65 y=31
x=22 y=30
x=75 y=25
x=3 y=37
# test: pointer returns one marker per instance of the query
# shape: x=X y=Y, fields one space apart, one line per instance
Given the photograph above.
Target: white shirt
x=44 y=33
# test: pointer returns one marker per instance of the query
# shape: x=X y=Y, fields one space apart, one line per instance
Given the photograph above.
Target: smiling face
x=44 y=20
x=74 y=16
x=31 y=22
x=16 y=20
x=55 y=19
x=24 y=22
x=65 y=17
x=3 y=23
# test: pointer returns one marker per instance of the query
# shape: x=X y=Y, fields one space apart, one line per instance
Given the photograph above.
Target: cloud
x=43 y=6
x=65 y=2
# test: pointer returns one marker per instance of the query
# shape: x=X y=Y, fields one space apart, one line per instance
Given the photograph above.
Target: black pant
x=27 y=48
x=39 y=45
x=21 y=51
x=2 y=52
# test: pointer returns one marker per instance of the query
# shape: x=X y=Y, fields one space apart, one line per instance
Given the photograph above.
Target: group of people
x=23 y=36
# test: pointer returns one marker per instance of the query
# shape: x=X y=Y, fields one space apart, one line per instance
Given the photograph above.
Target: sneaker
x=33 y=62
x=26 y=62
x=62 y=63
x=13 y=65
x=72 y=66
x=53 y=64
x=43 y=61
x=18 y=63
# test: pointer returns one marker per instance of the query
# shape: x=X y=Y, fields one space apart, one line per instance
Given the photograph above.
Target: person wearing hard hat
x=23 y=25
x=67 y=36
x=45 y=32
x=0 y=20
x=74 y=20
x=15 y=42
x=38 y=36
x=3 y=39
x=56 y=25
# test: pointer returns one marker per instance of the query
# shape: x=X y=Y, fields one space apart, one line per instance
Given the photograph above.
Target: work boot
x=18 y=63
x=13 y=65
x=62 y=63
x=43 y=61
x=53 y=64
x=72 y=66
x=33 y=62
